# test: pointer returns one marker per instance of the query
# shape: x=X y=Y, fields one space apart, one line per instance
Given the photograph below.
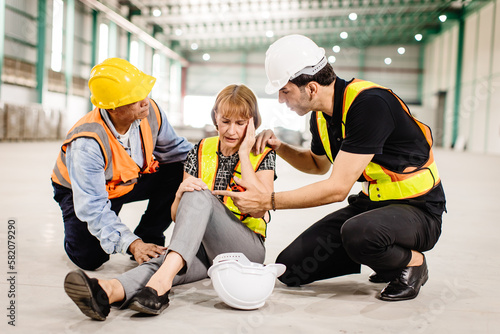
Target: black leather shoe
x=407 y=285
x=376 y=278
x=87 y=294
x=147 y=301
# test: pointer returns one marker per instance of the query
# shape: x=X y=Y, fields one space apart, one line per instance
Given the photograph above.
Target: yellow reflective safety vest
x=120 y=170
x=383 y=184
x=208 y=164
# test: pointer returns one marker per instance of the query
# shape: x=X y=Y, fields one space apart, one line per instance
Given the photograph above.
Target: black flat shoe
x=147 y=301
x=407 y=285
x=87 y=294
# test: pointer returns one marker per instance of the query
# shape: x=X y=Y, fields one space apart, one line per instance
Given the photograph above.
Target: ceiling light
x=442 y=18
x=387 y=61
x=194 y=46
x=269 y=33
x=353 y=16
x=336 y=48
x=178 y=32
x=344 y=35
x=156 y=12
x=401 y=50
x=206 y=56
x=332 y=59
x=418 y=37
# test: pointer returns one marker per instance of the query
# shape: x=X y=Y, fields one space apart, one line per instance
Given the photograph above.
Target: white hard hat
x=289 y=57
x=243 y=284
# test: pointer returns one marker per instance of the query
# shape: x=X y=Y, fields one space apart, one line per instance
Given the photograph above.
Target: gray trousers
x=204 y=228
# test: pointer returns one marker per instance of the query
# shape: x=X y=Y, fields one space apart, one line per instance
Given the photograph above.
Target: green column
x=40 y=67
x=93 y=56
x=70 y=32
x=490 y=79
x=458 y=80
x=2 y=38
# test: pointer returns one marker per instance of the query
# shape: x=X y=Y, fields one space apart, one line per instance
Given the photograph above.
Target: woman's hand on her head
x=190 y=184
x=249 y=140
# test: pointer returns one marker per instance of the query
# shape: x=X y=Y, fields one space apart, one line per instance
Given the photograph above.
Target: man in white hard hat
x=369 y=135
x=123 y=151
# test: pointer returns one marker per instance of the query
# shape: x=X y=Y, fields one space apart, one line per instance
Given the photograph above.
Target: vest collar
x=338 y=96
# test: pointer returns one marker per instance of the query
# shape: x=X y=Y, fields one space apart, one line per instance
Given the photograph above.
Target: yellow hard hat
x=115 y=82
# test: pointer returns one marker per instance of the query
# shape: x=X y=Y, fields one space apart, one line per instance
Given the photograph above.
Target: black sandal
x=147 y=301
x=87 y=294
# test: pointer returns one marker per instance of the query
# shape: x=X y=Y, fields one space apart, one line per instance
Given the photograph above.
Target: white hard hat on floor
x=289 y=57
x=243 y=284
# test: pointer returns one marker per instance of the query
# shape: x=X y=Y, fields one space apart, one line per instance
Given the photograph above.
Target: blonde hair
x=237 y=100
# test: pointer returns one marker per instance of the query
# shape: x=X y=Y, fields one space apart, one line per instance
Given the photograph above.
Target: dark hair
x=237 y=100
x=324 y=77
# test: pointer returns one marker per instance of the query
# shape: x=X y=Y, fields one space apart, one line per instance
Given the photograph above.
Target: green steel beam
x=70 y=32
x=490 y=79
x=129 y=40
x=2 y=34
x=19 y=41
x=20 y=12
x=458 y=79
x=40 y=64
x=93 y=56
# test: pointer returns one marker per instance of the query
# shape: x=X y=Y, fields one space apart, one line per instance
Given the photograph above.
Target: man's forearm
x=312 y=195
x=300 y=159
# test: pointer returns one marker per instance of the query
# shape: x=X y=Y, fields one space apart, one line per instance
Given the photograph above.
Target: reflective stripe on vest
x=323 y=133
x=120 y=170
x=384 y=184
x=208 y=163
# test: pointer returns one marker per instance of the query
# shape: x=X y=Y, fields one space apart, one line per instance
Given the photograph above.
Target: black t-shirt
x=377 y=124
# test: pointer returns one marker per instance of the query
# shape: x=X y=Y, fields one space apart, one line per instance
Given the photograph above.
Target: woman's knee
x=195 y=200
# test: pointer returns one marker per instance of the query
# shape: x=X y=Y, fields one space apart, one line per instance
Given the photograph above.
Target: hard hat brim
x=271 y=89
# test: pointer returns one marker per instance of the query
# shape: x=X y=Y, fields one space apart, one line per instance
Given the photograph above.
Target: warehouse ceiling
x=252 y=25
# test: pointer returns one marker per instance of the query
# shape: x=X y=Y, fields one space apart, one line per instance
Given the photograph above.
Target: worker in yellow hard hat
x=125 y=150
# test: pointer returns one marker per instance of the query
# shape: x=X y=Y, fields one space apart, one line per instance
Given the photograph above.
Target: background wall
x=470 y=91
x=450 y=80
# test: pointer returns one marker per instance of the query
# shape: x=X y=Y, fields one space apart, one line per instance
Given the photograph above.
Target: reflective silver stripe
x=153 y=122
x=101 y=132
x=58 y=174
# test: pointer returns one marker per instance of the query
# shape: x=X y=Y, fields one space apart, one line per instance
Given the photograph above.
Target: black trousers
x=380 y=235
x=159 y=188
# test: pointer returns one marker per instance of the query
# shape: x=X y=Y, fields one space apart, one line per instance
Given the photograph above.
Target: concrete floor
x=461 y=296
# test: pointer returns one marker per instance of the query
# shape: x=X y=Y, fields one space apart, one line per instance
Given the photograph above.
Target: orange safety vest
x=208 y=163
x=120 y=170
x=383 y=184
